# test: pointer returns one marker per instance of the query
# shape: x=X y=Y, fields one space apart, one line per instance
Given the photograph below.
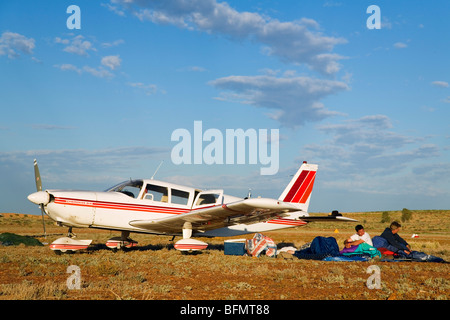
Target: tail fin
x=300 y=188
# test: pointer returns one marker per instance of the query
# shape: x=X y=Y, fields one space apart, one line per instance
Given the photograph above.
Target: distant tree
x=385 y=217
x=406 y=215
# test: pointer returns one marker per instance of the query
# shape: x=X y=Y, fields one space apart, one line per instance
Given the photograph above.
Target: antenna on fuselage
x=157 y=170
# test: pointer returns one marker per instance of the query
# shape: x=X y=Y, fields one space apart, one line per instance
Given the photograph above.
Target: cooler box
x=235 y=247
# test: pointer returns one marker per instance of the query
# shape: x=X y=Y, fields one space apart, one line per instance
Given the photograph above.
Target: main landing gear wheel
x=124 y=242
x=187 y=244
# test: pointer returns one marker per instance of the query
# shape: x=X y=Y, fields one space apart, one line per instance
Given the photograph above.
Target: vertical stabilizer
x=300 y=188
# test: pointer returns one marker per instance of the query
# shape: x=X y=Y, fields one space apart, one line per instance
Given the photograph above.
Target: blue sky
x=98 y=105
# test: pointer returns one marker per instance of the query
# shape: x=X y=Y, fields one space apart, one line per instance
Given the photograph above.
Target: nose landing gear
x=69 y=244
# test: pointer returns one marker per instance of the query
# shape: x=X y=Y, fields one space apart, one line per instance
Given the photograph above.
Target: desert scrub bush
x=27 y=290
x=406 y=215
x=385 y=218
x=404 y=286
x=261 y=270
x=106 y=269
x=244 y=286
x=162 y=288
x=5 y=258
x=289 y=273
x=438 y=283
x=333 y=278
x=434 y=245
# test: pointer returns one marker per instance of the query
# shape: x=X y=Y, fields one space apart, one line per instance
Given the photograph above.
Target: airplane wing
x=218 y=216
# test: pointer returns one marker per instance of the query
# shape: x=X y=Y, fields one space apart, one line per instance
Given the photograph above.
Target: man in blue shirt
x=392 y=237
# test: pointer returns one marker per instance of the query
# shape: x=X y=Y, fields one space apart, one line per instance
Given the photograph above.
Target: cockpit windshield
x=131 y=188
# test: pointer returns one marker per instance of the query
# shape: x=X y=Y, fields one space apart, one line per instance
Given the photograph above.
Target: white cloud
x=68 y=67
x=295 y=100
x=400 y=45
x=114 y=9
x=113 y=44
x=292 y=42
x=12 y=44
x=149 y=89
x=76 y=45
x=111 y=62
x=193 y=69
x=98 y=72
x=441 y=84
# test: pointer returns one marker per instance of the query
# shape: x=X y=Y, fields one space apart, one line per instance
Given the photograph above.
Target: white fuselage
x=151 y=200
x=158 y=207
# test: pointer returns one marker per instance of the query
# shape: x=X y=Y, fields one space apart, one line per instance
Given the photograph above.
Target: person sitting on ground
x=394 y=240
x=361 y=236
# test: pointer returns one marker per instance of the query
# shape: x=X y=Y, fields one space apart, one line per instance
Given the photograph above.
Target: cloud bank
x=296 y=100
x=295 y=42
x=12 y=44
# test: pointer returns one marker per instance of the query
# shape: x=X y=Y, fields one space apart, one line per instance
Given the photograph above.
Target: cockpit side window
x=156 y=193
x=208 y=198
x=180 y=197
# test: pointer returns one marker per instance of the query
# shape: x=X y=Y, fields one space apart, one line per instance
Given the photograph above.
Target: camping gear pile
x=327 y=249
x=322 y=248
x=261 y=243
x=253 y=247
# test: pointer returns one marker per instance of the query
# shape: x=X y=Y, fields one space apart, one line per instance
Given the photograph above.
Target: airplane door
x=208 y=198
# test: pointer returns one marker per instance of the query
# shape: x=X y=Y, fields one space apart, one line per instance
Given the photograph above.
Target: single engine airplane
x=162 y=208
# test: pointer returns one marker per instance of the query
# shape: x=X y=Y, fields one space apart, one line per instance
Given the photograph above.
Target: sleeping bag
x=320 y=248
x=363 y=249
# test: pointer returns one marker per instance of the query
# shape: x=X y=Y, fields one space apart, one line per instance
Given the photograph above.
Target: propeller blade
x=37 y=177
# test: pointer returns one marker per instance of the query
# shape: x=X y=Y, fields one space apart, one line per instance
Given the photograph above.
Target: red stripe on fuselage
x=119 y=206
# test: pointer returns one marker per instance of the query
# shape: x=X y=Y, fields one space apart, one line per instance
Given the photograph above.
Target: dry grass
x=155 y=270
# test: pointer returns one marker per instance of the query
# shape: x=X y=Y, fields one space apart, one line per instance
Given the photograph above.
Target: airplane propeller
x=38 y=180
